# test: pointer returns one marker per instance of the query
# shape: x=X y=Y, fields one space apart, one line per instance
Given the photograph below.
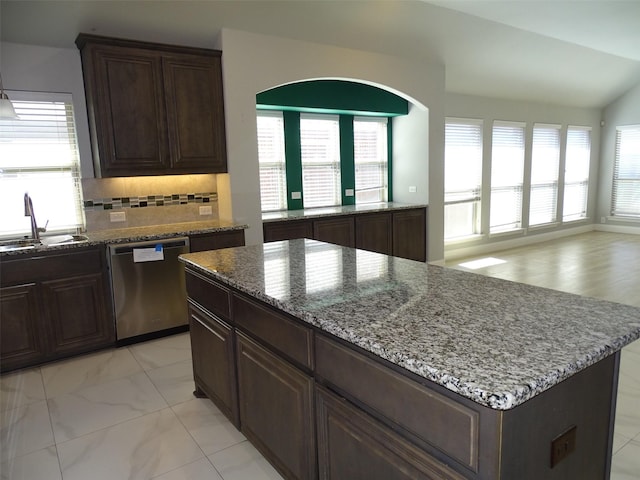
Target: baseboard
x=600 y=227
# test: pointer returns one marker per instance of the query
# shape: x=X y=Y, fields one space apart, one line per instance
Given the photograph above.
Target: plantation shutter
x=544 y=174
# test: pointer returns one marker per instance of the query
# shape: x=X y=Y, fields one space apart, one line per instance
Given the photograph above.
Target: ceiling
x=583 y=53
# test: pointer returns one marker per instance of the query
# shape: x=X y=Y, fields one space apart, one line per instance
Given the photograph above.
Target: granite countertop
x=496 y=342
x=136 y=234
x=334 y=211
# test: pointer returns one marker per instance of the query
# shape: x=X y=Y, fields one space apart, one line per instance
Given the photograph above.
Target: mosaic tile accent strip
x=149 y=201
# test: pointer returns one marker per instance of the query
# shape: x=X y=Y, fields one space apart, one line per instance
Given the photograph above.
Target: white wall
x=46 y=69
x=624 y=111
x=253 y=63
x=490 y=109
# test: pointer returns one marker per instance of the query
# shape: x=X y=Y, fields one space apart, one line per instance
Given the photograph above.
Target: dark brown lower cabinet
x=353 y=445
x=54 y=305
x=215 y=240
x=410 y=234
x=212 y=344
x=20 y=340
x=338 y=230
x=276 y=409
x=401 y=233
x=374 y=232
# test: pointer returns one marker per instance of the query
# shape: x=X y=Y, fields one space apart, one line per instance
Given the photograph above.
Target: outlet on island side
x=563 y=445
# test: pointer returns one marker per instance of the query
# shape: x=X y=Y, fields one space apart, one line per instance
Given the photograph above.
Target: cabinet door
x=287 y=230
x=195 y=115
x=276 y=409
x=353 y=445
x=21 y=339
x=213 y=241
x=373 y=232
x=409 y=234
x=77 y=312
x=213 y=361
x=338 y=230
x=125 y=99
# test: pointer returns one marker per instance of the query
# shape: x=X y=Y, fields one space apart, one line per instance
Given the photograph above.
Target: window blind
x=576 y=173
x=39 y=155
x=545 y=159
x=462 y=178
x=271 y=159
x=507 y=174
x=320 y=156
x=626 y=173
x=371 y=159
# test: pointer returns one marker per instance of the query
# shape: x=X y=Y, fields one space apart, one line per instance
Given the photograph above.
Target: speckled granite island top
x=496 y=342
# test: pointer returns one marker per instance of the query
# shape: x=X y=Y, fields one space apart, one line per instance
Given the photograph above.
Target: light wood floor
x=595 y=264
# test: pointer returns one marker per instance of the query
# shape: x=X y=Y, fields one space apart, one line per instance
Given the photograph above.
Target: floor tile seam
x=115 y=425
x=196 y=441
x=172 y=364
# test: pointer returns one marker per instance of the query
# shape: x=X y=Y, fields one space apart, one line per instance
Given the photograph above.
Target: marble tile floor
x=126 y=413
x=598 y=264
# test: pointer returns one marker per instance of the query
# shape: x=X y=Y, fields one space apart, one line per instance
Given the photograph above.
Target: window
x=39 y=155
x=371 y=159
x=507 y=173
x=271 y=156
x=576 y=173
x=320 y=156
x=545 y=159
x=462 y=178
x=626 y=173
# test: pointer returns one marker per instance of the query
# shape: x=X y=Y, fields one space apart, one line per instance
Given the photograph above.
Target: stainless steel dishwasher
x=148 y=285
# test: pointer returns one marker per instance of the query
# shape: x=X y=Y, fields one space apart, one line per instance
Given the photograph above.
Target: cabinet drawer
x=45 y=266
x=209 y=295
x=431 y=417
x=352 y=444
x=285 y=335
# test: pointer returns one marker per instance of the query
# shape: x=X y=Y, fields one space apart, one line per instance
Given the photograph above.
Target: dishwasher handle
x=128 y=248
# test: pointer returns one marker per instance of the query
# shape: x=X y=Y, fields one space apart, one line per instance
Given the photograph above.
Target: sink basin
x=27 y=243
x=11 y=245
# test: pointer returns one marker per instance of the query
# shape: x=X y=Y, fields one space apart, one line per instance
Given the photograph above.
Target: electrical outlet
x=348 y=192
x=205 y=210
x=413 y=189
x=117 y=217
x=563 y=445
x=296 y=195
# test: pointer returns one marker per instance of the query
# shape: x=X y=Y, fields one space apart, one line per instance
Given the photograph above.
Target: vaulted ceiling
x=569 y=52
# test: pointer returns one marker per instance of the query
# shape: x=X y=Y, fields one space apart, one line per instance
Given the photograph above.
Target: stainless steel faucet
x=28 y=212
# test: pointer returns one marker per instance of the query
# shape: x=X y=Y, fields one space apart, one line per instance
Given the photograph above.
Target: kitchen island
x=341 y=363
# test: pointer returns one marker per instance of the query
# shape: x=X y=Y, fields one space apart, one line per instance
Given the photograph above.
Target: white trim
x=617 y=229
x=515 y=242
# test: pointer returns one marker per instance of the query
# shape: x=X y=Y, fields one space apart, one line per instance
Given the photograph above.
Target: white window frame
x=39 y=156
x=466 y=161
x=545 y=171
x=576 y=173
x=625 y=195
x=513 y=189
x=320 y=159
x=371 y=188
x=271 y=160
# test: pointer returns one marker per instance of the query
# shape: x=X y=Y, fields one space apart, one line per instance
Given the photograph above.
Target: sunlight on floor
x=482 y=262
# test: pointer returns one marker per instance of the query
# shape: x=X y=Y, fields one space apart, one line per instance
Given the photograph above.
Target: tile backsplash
x=148 y=201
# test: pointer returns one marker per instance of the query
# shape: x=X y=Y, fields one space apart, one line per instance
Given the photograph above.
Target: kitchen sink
x=28 y=243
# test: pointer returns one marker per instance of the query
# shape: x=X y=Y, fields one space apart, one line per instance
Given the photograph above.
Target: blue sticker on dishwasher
x=159 y=247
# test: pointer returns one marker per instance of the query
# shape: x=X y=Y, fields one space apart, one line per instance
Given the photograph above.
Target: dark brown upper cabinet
x=153 y=109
